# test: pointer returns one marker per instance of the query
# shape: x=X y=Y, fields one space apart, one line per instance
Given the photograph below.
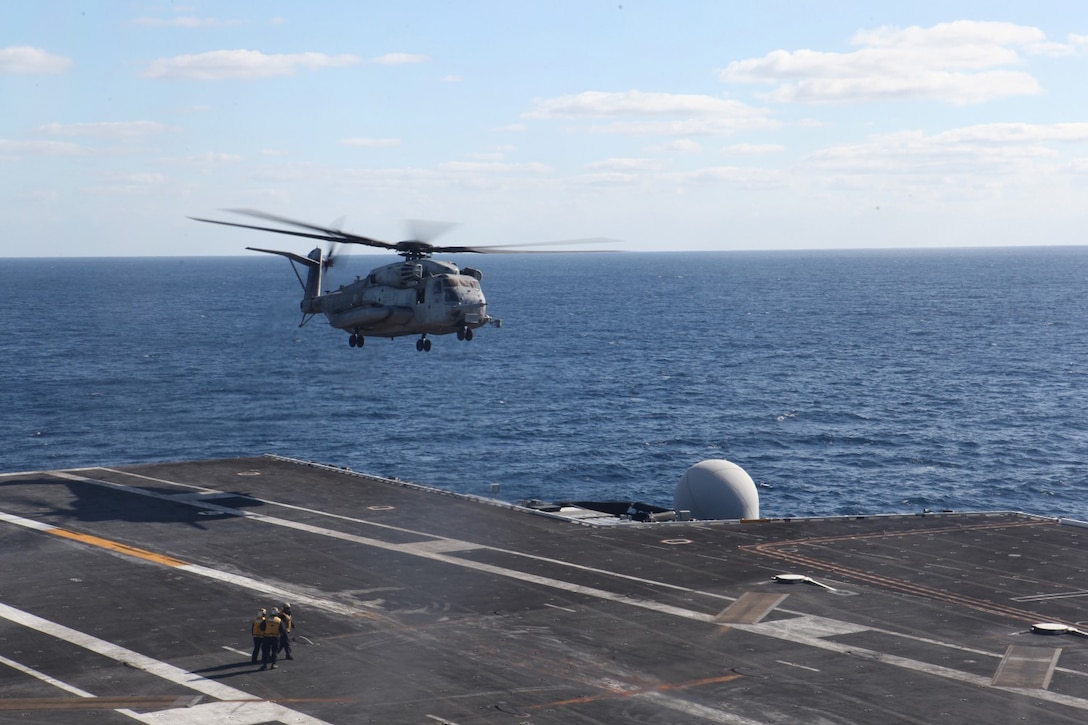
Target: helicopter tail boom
x=314 y=262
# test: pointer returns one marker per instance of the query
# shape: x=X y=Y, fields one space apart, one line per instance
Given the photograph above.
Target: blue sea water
x=843 y=382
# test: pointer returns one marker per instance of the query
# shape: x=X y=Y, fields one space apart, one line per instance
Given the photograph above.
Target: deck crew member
x=258 y=633
x=285 y=631
x=270 y=642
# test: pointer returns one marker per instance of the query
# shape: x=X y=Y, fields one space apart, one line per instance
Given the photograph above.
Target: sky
x=685 y=125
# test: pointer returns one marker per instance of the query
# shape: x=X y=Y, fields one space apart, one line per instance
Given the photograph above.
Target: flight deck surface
x=126 y=594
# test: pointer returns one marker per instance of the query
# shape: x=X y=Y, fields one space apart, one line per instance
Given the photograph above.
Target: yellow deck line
x=118 y=547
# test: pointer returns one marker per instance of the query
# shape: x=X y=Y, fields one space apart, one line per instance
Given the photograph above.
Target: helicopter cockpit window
x=451 y=285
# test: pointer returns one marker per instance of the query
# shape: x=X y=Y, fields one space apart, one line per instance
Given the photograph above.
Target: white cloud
x=24 y=59
x=685 y=127
x=493 y=166
x=669 y=114
x=680 y=145
x=495 y=153
x=600 y=104
x=961 y=62
x=242 y=65
x=451 y=79
x=141 y=179
x=625 y=164
x=107 y=129
x=371 y=143
x=202 y=159
x=400 y=59
x=985 y=149
x=9 y=147
x=752 y=149
x=1017 y=132
x=183 y=21
x=742 y=176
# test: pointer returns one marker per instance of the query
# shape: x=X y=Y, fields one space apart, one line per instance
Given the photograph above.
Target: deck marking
x=660 y=695
x=794 y=664
x=25 y=523
x=750 y=608
x=365 y=522
x=116 y=546
x=712 y=714
x=44 y=677
x=250 y=583
x=565 y=609
x=1028 y=667
x=787 y=550
x=416 y=549
x=800 y=633
x=268 y=711
x=814 y=638
x=341 y=608
x=92 y=540
x=1045 y=597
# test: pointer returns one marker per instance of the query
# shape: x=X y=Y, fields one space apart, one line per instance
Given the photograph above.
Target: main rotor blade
x=328 y=235
x=323 y=237
x=339 y=233
x=414 y=247
x=256 y=214
x=515 y=247
x=556 y=243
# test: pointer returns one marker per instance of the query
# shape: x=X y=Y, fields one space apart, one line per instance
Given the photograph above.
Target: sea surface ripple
x=844 y=382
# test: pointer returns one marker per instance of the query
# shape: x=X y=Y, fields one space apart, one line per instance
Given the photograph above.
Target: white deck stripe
x=44 y=678
x=162 y=670
x=792 y=632
x=452 y=543
x=820 y=626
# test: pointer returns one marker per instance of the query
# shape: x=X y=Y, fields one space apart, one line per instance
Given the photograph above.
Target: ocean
x=843 y=382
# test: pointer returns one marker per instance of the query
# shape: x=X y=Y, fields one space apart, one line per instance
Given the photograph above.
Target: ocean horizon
x=845 y=382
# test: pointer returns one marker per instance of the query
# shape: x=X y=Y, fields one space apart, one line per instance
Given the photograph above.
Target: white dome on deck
x=717 y=489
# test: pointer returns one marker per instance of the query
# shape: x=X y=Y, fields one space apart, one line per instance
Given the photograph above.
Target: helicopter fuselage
x=414 y=297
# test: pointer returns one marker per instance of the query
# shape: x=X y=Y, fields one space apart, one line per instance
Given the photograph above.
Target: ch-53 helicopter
x=417 y=296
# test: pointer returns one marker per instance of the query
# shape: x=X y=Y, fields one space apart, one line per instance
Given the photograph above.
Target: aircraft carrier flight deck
x=126 y=594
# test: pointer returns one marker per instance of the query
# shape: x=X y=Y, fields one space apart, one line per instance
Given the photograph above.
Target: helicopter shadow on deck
x=92 y=502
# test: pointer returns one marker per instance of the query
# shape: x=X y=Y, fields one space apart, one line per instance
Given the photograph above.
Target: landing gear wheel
x=468 y=333
x=353 y=341
x=426 y=346
x=419 y=345
x=461 y=333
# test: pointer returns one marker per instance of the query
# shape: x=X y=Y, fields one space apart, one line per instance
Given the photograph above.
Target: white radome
x=717 y=489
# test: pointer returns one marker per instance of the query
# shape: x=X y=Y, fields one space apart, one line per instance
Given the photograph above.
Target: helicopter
x=416 y=296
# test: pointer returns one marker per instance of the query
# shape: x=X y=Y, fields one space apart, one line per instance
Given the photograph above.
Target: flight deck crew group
x=271 y=635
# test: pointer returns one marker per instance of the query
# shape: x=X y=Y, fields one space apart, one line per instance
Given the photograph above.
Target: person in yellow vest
x=285 y=631
x=258 y=633
x=270 y=641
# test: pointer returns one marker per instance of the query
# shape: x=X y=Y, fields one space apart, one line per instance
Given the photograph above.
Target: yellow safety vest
x=257 y=627
x=272 y=627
